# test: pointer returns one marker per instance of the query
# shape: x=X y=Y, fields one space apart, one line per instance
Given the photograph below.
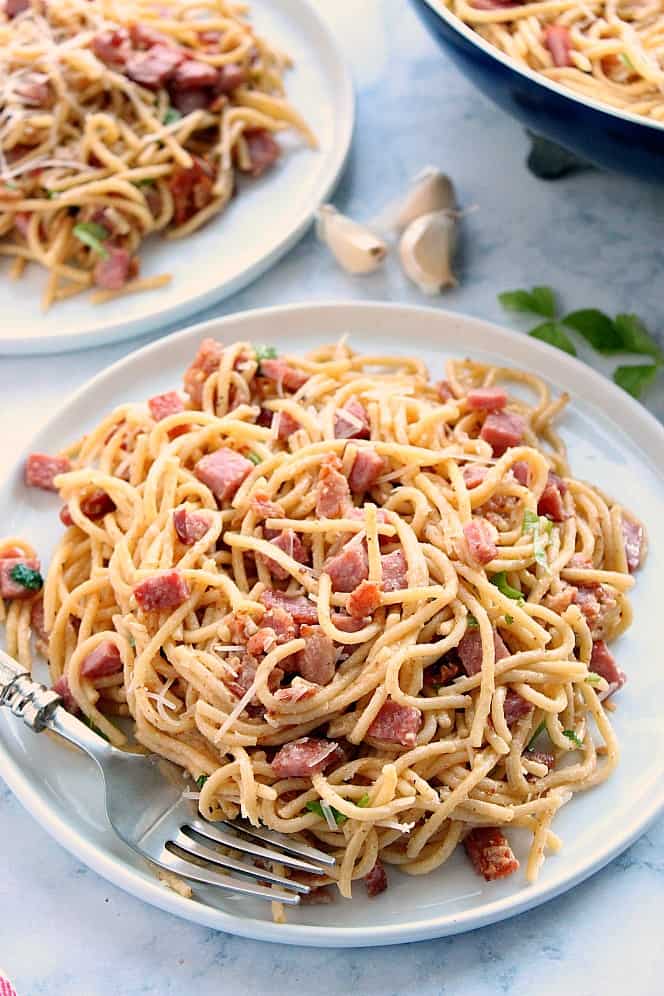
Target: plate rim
x=115 y=870
x=151 y=324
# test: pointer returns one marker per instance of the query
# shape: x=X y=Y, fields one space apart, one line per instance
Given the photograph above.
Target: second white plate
x=257 y=228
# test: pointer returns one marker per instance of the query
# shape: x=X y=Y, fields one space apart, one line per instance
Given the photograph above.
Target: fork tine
x=234 y=840
x=208 y=876
x=186 y=843
x=275 y=839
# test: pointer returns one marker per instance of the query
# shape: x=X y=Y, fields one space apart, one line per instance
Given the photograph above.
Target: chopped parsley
x=171 y=116
x=540 y=729
x=536 y=301
x=471 y=621
x=509 y=620
x=51 y=194
x=592 y=679
x=555 y=335
x=635 y=379
x=93 y=235
x=363 y=802
x=148 y=182
x=266 y=353
x=571 y=735
x=254 y=457
x=503 y=586
x=315 y=807
x=201 y=780
x=132 y=641
x=539 y=528
x=27 y=577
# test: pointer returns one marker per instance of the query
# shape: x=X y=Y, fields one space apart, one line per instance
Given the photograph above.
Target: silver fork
x=146 y=808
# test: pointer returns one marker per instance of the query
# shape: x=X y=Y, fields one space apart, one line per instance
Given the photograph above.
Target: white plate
x=613 y=441
x=257 y=228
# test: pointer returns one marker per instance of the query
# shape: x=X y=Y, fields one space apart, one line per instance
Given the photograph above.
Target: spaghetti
x=606 y=50
x=352 y=603
x=121 y=119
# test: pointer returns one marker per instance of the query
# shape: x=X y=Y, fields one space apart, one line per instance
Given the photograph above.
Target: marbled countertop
x=597 y=238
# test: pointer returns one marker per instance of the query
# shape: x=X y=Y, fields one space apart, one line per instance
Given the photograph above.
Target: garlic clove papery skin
x=426 y=250
x=354 y=246
x=431 y=191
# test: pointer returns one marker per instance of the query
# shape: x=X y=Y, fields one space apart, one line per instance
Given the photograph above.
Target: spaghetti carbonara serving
x=350 y=602
x=121 y=118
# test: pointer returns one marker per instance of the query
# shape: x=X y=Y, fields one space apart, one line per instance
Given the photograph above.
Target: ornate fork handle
x=29 y=700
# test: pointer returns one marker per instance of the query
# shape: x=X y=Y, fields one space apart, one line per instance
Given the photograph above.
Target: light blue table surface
x=598 y=240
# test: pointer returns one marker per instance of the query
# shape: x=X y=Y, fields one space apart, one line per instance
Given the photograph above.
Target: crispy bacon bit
x=490 y=853
x=264 y=150
x=192 y=189
x=603 y=662
x=599 y=605
x=112 y=47
x=113 y=272
x=205 y=362
x=282 y=373
x=481 y=541
x=163 y=405
x=40 y=469
x=298 y=689
x=633 y=538
x=317 y=661
x=9 y=588
x=551 y=499
x=346 y=623
x=348 y=568
x=541 y=757
x=396 y=724
x=333 y=493
x=441 y=674
x=470 y=650
x=474 y=474
x=223 y=472
x=376 y=880
x=153 y=67
x=298 y=607
x=561 y=600
x=367 y=468
x=444 y=391
x=166 y=590
x=502 y=430
x=395 y=571
x=558 y=40
x=515 y=707
x=64 y=691
x=364 y=600
x=190 y=526
x=486 y=398
x=303 y=758
x=352 y=421
x=264 y=508
x=103 y=660
x=281 y=623
x=290 y=543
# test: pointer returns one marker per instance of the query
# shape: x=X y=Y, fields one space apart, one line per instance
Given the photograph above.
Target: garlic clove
x=426 y=249
x=431 y=191
x=356 y=248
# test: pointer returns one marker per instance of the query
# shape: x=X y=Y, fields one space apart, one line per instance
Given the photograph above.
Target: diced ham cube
x=303 y=758
x=40 y=469
x=502 y=430
x=297 y=606
x=190 y=526
x=333 y=493
x=633 y=537
x=561 y=600
x=603 y=662
x=264 y=508
x=474 y=474
x=352 y=421
x=441 y=674
x=367 y=468
x=144 y=37
x=37 y=624
x=348 y=568
x=281 y=623
x=264 y=151
x=551 y=500
x=397 y=724
x=489 y=399
x=599 y=605
x=285 y=425
x=481 y=541
x=205 y=362
x=229 y=78
x=376 y=880
x=521 y=471
x=64 y=691
x=33 y=90
x=65 y=516
x=9 y=586
x=290 y=543
x=187 y=101
x=515 y=707
x=153 y=67
x=112 y=46
x=103 y=660
x=317 y=661
x=364 y=600
x=347 y=624
x=192 y=73
x=166 y=590
x=223 y=472
x=97 y=504
x=283 y=374
x=470 y=650
x=558 y=40
x=113 y=272
x=395 y=571
x=490 y=853
x=163 y=405
x=444 y=391
x=298 y=689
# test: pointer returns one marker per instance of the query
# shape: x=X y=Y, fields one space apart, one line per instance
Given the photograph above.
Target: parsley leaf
x=552 y=333
x=635 y=338
x=363 y=802
x=635 y=379
x=171 y=116
x=592 y=679
x=27 y=577
x=254 y=457
x=143 y=183
x=503 y=585
x=471 y=621
x=571 y=735
x=91 y=234
x=539 y=528
x=315 y=807
x=626 y=61
x=596 y=328
x=201 y=780
x=540 y=729
x=537 y=301
x=509 y=620
x=266 y=353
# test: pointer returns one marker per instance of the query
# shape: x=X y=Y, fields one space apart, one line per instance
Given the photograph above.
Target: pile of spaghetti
x=119 y=119
x=609 y=50
x=351 y=603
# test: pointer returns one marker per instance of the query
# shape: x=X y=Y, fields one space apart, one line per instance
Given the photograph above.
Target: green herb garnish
x=626 y=61
x=571 y=735
x=95 y=729
x=254 y=457
x=596 y=328
x=171 y=116
x=635 y=379
x=363 y=802
x=92 y=235
x=51 y=194
x=592 y=679
x=554 y=335
x=315 y=807
x=540 y=729
x=266 y=353
x=201 y=780
x=471 y=621
x=143 y=183
x=503 y=585
x=132 y=641
x=27 y=577
x=509 y=620
x=537 y=301
x=539 y=528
